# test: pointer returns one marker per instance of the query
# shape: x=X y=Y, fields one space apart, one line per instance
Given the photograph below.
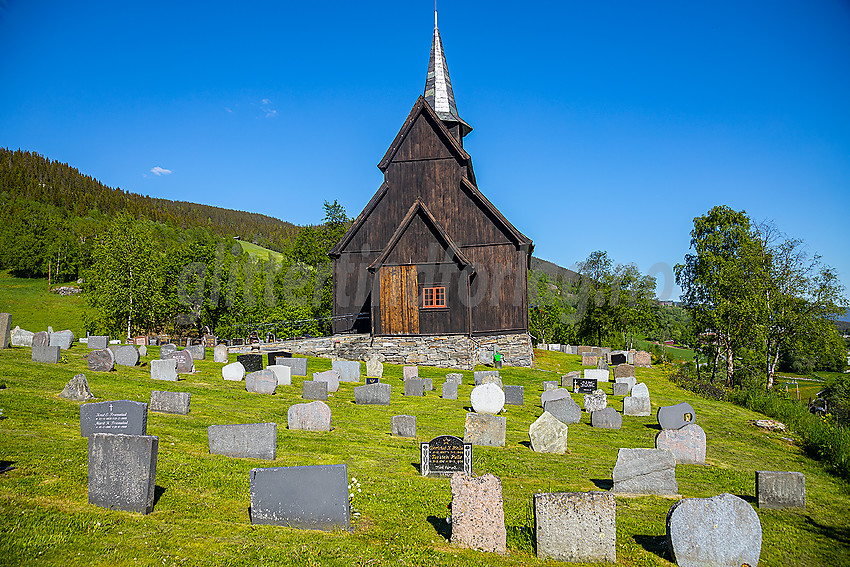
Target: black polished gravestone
x=119 y=416
x=278 y=353
x=309 y=497
x=444 y=456
x=584 y=385
x=251 y=362
x=618 y=358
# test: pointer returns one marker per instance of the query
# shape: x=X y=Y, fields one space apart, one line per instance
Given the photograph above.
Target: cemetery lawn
x=201 y=513
x=33 y=307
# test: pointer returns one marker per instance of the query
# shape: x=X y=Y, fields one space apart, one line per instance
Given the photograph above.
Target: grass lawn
x=259 y=252
x=201 y=515
x=33 y=307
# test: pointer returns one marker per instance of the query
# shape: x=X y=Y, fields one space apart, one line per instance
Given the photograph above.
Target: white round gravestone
x=234 y=372
x=487 y=398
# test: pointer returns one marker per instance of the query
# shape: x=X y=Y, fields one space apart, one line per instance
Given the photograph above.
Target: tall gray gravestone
x=122 y=471
x=5 y=329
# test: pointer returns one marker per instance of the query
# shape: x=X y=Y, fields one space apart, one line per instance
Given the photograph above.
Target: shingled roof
x=438 y=85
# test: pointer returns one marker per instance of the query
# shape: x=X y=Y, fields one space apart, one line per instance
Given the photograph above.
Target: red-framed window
x=433 y=297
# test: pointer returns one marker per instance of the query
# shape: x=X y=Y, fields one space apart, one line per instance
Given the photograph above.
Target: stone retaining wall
x=444 y=351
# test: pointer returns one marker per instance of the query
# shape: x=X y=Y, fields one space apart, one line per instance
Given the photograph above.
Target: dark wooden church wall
x=498 y=306
x=352 y=285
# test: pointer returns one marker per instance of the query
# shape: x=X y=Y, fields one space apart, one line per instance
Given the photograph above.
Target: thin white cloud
x=266 y=106
x=160 y=171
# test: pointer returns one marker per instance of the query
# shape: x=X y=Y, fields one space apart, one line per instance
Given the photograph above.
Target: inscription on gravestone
x=120 y=416
x=584 y=386
x=444 y=456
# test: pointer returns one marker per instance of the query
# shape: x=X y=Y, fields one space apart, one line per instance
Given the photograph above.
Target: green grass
x=260 y=252
x=201 y=516
x=808 y=387
x=34 y=308
x=673 y=353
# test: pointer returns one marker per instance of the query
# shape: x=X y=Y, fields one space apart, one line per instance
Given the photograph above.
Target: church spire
x=438 y=85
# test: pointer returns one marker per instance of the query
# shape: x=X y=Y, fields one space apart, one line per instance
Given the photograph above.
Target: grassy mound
x=201 y=515
x=34 y=307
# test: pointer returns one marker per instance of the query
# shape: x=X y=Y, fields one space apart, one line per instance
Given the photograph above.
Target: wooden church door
x=399 y=300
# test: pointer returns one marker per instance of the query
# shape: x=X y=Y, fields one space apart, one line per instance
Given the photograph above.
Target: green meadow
x=201 y=513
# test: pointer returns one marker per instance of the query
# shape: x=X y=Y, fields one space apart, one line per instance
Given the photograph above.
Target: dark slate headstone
x=584 y=385
x=98 y=341
x=403 y=425
x=372 y=380
x=513 y=395
x=314 y=390
x=41 y=339
x=251 y=362
x=677 y=416
x=780 y=489
x=170 y=402
x=246 y=441
x=122 y=471
x=49 y=354
x=312 y=497
x=272 y=356
x=444 y=456
x=449 y=390
x=414 y=387
x=118 y=416
x=376 y=393
x=126 y=355
x=298 y=365
x=607 y=418
x=618 y=358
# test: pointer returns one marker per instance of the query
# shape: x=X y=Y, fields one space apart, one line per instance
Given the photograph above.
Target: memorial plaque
x=120 y=416
x=251 y=362
x=584 y=386
x=444 y=456
x=372 y=380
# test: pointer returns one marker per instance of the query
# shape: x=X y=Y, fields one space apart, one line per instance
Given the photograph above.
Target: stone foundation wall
x=445 y=351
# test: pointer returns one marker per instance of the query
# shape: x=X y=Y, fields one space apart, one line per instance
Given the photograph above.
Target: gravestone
x=233 y=372
x=549 y=385
x=555 y=394
x=403 y=425
x=584 y=385
x=329 y=376
x=642 y=359
x=122 y=471
x=261 y=382
x=677 y=416
x=50 y=354
x=597 y=401
x=577 y=527
x=427 y=384
x=487 y=398
x=602 y=365
x=143 y=350
x=308 y=497
x=548 y=435
x=588 y=359
x=101 y=360
x=220 y=354
x=484 y=429
x=198 y=352
x=209 y=341
x=164 y=369
x=21 y=337
x=282 y=373
x=298 y=365
x=596 y=374
x=555 y=347
x=444 y=456
x=40 y=339
x=565 y=410
x=479 y=375
x=185 y=362
x=606 y=419
x=98 y=342
x=414 y=387
x=63 y=339
x=485 y=357
x=630 y=381
x=513 y=395
x=271 y=357
x=170 y=402
x=372 y=380
x=645 y=471
x=348 y=370
x=478 y=517
x=449 y=390
x=314 y=390
x=77 y=389
x=244 y=440
x=251 y=362
x=455 y=377
x=409 y=372
x=637 y=407
x=618 y=358
x=597 y=351
x=621 y=388
x=780 y=489
x=377 y=393
x=687 y=444
x=374 y=367
x=117 y=416
x=568 y=378
x=166 y=350
x=492 y=380
x=721 y=530
x=313 y=416
x=624 y=371
x=5 y=329
x=126 y=355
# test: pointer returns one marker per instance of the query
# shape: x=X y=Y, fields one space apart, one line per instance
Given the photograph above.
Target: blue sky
x=598 y=125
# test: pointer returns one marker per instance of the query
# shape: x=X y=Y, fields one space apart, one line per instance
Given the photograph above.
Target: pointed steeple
x=438 y=86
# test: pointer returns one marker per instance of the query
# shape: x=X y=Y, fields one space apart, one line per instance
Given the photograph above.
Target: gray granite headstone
x=5 y=329
x=313 y=416
x=199 y=352
x=549 y=385
x=403 y=425
x=780 y=489
x=298 y=365
x=577 y=527
x=185 y=362
x=314 y=390
x=245 y=440
x=170 y=402
x=98 y=341
x=428 y=384
x=126 y=355
x=251 y=362
x=117 y=416
x=377 y=393
x=374 y=367
x=77 y=389
x=645 y=471
x=620 y=389
x=485 y=429
x=687 y=444
x=607 y=418
x=555 y=394
x=50 y=354
x=310 y=497
x=143 y=350
x=596 y=401
x=479 y=376
x=624 y=371
x=449 y=390
x=636 y=407
x=630 y=381
x=568 y=379
x=566 y=410
x=513 y=395
x=261 y=382
x=164 y=369
x=455 y=377
x=414 y=387
x=677 y=416
x=282 y=373
x=721 y=530
x=348 y=370
x=21 y=337
x=167 y=349
x=408 y=372
x=329 y=376
x=62 y=339
x=122 y=471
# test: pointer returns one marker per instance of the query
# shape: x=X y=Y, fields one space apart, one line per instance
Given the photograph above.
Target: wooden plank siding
x=399 y=300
